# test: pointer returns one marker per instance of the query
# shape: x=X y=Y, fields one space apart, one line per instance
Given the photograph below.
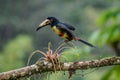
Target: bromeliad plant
x=49 y=55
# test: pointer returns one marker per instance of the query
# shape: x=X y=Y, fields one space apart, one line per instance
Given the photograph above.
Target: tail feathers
x=78 y=39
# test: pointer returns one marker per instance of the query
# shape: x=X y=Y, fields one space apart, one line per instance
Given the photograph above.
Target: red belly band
x=62 y=34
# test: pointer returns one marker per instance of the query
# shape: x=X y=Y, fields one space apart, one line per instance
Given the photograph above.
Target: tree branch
x=45 y=66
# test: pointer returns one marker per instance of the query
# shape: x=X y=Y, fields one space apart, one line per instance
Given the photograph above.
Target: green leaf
x=104 y=17
x=116 y=34
x=107 y=16
x=113 y=74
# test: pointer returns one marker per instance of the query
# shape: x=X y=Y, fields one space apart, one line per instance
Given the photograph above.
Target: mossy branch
x=45 y=66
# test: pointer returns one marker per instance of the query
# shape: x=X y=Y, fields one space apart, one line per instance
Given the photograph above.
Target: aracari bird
x=62 y=29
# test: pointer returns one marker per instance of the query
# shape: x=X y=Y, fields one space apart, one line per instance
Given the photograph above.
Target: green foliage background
x=96 y=21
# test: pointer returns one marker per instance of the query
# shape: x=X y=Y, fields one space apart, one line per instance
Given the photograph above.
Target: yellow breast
x=57 y=31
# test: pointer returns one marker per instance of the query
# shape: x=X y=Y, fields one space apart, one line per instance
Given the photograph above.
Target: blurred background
x=96 y=21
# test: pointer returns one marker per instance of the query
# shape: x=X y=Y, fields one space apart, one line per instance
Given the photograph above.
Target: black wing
x=68 y=26
x=66 y=29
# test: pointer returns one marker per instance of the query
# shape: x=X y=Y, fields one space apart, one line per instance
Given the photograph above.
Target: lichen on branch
x=43 y=66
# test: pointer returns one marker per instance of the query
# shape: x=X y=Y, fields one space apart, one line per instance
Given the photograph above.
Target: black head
x=53 y=19
x=48 y=21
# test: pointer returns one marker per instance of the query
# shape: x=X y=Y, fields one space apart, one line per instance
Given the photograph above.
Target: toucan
x=62 y=29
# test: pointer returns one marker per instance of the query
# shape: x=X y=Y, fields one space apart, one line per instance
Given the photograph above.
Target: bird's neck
x=54 y=23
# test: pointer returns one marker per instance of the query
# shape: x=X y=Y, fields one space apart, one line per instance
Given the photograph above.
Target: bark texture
x=45 y=66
